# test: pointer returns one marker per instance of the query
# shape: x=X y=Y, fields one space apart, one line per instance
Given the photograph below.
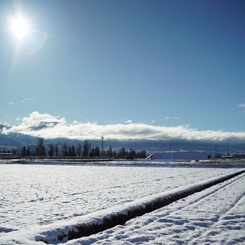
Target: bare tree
x=51 y=150
x=56 y=149
x=86 y=148
x=79 y=150
x=41 y=148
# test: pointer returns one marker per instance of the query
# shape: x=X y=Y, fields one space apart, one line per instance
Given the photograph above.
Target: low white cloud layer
x=48 y=126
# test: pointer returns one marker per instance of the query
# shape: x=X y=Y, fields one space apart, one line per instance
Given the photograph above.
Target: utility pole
x=102 y=146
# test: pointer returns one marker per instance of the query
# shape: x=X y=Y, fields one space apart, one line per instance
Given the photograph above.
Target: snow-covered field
x=39 y=200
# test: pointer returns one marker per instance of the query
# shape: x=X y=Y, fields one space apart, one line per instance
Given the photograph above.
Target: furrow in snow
x=225 y=218
x=99 y=221
x=201 y=198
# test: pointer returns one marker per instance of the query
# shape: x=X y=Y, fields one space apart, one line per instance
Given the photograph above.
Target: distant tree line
x=84 y=150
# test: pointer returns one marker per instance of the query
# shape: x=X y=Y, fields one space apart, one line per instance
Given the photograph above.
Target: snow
x=40 y=201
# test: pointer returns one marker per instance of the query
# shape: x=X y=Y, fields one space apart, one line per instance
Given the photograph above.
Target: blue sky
x=162 y=63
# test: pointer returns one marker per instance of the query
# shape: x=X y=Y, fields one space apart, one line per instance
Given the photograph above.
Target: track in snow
x=123 y=214
x=201 y=218
x=221 y=218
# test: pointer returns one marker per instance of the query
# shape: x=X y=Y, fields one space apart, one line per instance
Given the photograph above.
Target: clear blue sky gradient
x=159 y=62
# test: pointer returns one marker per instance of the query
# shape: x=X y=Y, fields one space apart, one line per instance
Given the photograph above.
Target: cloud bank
x=48 y=127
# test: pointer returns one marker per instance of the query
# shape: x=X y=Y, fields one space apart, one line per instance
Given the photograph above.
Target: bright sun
x=20 y=27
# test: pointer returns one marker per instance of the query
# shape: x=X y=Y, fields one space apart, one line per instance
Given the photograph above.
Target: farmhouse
x=179 y=156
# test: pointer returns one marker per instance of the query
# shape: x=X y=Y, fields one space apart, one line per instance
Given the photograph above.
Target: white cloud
x=172 y=118
x=243 y=107
x=48 y=126
x=28 y=100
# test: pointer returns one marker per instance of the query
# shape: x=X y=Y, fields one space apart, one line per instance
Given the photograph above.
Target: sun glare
x=22 y=30
x=20 y=27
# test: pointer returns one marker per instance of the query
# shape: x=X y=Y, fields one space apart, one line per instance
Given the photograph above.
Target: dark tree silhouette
x=23 y=151
x=51 y=150
x=86 y=148
x=41 y=148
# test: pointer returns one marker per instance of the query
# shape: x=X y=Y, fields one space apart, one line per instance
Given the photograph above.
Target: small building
x=179 y=156
x=4 y=155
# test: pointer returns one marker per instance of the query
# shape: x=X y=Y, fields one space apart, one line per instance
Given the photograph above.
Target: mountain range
x=17 y=141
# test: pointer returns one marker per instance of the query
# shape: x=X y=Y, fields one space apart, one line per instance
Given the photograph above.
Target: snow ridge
x=102 y=220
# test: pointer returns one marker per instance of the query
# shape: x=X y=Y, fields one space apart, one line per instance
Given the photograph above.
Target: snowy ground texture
x=41 y=201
